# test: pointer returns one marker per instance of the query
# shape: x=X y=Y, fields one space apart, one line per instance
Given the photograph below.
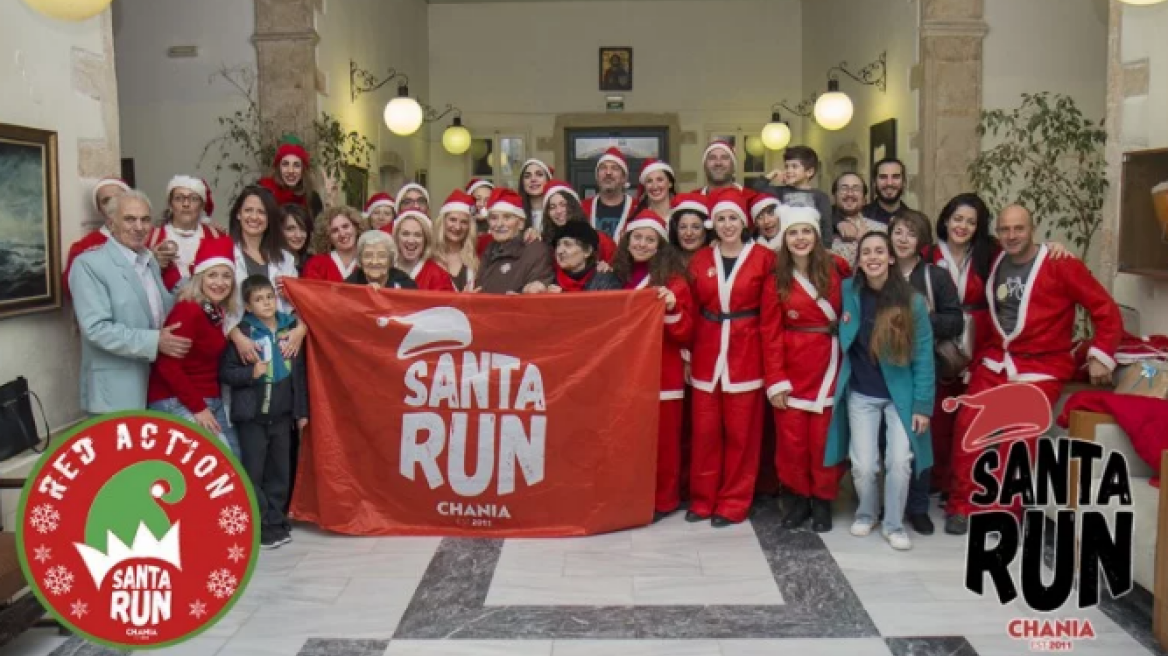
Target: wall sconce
x=776 y=134
x=833 y=110
x=1140 y=3
x=404 y=115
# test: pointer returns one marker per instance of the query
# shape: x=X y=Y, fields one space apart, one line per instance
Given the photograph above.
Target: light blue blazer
x=118 y=342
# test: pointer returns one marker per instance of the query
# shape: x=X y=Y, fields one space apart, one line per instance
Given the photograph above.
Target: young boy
x=800 y=166
x=266 y=398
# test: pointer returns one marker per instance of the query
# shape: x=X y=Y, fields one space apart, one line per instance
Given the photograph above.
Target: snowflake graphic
x=198 y=609
x=44 y=518
x=221 y=583
x=233 y=520
x=79 y=609
x=58 y=580
x=236 y=553
x=43 y=554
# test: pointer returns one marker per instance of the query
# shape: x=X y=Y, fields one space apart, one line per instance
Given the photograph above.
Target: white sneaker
x=862 y=527
x=899 y=540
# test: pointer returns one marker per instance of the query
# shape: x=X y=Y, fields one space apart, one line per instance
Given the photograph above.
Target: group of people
x=812 y=329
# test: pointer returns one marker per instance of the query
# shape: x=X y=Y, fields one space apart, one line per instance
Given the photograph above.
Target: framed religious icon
x=616 y=69
x=30 y=221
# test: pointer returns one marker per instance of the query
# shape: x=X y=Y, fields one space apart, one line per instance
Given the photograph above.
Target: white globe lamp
x=833 y=110
x=403 y=115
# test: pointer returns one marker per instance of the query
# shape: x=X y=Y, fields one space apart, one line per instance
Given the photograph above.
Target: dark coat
x=247 y=392
x=510 y=266
x=945 y=306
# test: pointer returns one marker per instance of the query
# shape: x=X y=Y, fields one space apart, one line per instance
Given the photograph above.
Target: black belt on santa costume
x=975 y=307
x=830 y=329
x=729 y=316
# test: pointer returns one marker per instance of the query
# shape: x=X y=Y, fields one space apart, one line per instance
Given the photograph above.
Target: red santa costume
x=1037 y=351
x=679 y=325
x=761 y=203
x=615 y=156
x=329 y=267
x=93 y=240
x=607 y=249
x=188 y=240
x=805 y=365
x=735 y=306
x=458 y=201
x=380 y=199
x=285 y=196
x=724 y=146
x=427 y=273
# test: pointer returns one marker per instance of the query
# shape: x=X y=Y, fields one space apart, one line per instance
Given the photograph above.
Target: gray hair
x=115 y=204
x=376 y=238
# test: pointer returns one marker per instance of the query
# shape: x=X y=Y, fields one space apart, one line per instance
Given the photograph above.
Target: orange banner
x=478 y=415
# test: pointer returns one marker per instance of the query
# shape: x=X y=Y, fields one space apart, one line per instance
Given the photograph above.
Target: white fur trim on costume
x=689 y=206
x=614 y=159
x=672 y=318
x=674 y=395
x=653 y=168
x=454 y=207
x=567 y=190
x=1099 y=355
x=725 y=205
x=783 y=386
x=413 y=214
x=719 y=145
x=507 y=208
x=540 y=163
x=479 y=183
x=762 y=205
x=401 y=193
x=194 y=184
x=214 y=262
x=383 y=202
x=790 y=216
x=647 y=223
x=105 y=182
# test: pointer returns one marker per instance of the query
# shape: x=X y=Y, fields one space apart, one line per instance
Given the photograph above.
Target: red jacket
x=730 y=351
x=173 y=274
x=971 y=289
x=327 y=267
x=195 y=377
x=679 y=328
x=806 y=364
x=1040 y=346
x=431 y=277
x=90 y=242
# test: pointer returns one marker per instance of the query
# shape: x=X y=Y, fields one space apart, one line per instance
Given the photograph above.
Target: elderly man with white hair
x=185 y=223
x=120 y=303
x=375 y=256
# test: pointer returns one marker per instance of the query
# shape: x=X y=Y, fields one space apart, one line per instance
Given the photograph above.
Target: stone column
x=1118 y=88
x=285 y=40
x=952 y=33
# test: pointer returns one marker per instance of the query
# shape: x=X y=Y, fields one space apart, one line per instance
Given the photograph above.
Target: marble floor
x=672 y=589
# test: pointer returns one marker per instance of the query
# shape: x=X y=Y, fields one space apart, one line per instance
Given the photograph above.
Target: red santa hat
x=380 y=199
x=411 y=214
x=401 y=193
x=547 y=170
x=104 y=182
x=692 y=201
x=652 y=166
x=188 y=182
x=647 y=218
x=214 y=251
x=1011 y=411
x=475 y=183
x=506 y=200
x=615 y=156
x=732 y=200
x=291 y=145
x=720 y=145
x=760 y=203
x=555 y=187
x=458 y=201
x=790 y=215
x=209 y=204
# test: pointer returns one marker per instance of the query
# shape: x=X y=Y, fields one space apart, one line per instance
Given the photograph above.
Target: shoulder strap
x=929 y=285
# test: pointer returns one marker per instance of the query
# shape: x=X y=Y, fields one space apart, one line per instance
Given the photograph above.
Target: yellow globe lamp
x=403 y=115
x=69 y=10
x=755 y=147
x=833 y=110
x=776 y=134
x=456 y=138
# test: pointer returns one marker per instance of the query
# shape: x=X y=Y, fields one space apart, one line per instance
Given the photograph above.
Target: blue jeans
x=864 y=415
x=228 y=437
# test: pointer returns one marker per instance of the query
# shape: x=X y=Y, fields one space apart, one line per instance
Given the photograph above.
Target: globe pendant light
x=833 y=110
x=69 y=10
x=776 y=134
x=403 y=115
x=456 y=138
x=1141 y=3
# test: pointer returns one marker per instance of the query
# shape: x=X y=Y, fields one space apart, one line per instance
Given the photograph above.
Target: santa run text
x=141 y=595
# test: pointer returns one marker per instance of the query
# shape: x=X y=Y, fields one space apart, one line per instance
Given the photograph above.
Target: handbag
x=949 y=360
x=18 y=428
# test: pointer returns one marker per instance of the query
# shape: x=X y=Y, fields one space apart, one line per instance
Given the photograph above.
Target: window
x=498 y=158
x=754 y=160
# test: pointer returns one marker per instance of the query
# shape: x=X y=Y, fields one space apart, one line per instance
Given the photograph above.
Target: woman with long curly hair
x=561 y=204
x=334 y=240
x=646 y=259
x=887 y=375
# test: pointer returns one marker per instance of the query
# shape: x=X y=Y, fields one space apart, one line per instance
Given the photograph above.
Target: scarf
x=574 y=282
x=214 y=313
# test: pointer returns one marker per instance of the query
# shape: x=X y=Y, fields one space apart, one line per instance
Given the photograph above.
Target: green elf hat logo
x=138 y=530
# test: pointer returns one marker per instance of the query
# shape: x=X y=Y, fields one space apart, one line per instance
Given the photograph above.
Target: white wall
x=857 y=31
x=514 y=66
x=1144 y=126
x=378 y=35
x=170 y=107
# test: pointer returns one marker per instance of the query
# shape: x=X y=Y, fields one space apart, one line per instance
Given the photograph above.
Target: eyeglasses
x=851 y=189
x=183 y=200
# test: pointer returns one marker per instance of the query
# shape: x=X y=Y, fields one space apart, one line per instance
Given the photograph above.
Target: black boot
x=692 y=517
x=797 y=511
x=820 y=515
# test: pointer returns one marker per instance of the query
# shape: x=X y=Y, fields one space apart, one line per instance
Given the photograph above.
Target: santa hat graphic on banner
x=1012 y=411
x=108 y=182
x=507 y=201
x=458 y=201
x=615 y=156
x=401 y=193
x=647 y=218
x=214 y=251
x=380 y=199
x=555 y=187
x=720 y=145
x=729 y=199
x=475 y=183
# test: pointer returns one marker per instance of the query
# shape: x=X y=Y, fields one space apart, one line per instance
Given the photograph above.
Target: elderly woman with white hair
x=375 y=256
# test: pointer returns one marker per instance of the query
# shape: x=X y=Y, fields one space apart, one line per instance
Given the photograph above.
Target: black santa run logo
x=1009 y=415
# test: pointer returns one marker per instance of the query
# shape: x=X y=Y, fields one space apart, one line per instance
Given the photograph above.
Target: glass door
x=585 y=146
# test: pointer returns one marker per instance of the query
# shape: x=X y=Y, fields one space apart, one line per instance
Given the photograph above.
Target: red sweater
x=90 y=242
x=195 y=377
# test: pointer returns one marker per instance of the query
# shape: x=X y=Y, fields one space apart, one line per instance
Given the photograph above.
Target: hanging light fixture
x=403 y=115
x=69 y=10
x=456 y=138
x=776 y=134
x=833 y=110
x=1141 y=3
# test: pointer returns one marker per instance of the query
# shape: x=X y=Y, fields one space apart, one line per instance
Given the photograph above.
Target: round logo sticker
x=138 y=530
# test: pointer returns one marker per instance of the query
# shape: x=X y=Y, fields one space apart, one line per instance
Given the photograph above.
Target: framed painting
x=616 y=69
x=30 y=221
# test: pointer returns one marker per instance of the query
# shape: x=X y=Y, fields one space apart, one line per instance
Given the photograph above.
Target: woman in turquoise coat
x=887 y=374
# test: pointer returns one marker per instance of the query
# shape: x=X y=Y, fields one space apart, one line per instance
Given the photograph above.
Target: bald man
x=1032 y=304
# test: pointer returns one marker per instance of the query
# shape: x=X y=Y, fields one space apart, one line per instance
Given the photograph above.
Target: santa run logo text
x=1014 y=486
x=138 y=530
x=510 y=419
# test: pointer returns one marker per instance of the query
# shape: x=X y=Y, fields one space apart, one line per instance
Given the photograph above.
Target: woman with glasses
x=184 y=226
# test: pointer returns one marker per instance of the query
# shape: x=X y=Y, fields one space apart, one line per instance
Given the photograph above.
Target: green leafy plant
x=246 y=145
x=1050 y=160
